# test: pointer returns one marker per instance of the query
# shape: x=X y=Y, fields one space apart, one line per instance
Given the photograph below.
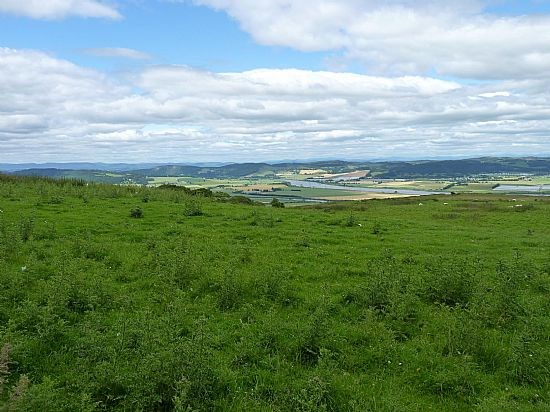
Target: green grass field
x=199 y=304
x=533 y=180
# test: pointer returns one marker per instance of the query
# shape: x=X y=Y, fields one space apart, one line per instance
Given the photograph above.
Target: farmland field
x=410 y=184
x=286 y=186
x=136 y=298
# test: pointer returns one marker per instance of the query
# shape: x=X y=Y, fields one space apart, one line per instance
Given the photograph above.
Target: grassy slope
x=381 y=305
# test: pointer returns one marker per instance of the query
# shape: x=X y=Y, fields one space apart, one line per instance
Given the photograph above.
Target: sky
x=190 y=81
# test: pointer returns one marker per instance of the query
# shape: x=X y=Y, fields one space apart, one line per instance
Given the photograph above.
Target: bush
x=242 y=200
x=502 y=305
x=449 y=284
x=277 y=203
x=136 y=213
x=350 y=220
x=26 y=227
x=192 y=209
x=202 y=191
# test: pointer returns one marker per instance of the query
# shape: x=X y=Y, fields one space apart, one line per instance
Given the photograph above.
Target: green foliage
x=136 y=213
x=277 y=203
x=376 y=229
x=350 y=220
x=26 y=226
x=449 y=284
x=268 y=309
x=192 y=208
x=204 y=192
x=243 y=200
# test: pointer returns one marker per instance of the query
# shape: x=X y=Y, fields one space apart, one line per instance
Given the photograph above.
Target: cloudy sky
x=264 y=80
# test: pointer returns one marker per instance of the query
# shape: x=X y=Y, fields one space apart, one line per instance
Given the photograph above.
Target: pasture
x=200 y=303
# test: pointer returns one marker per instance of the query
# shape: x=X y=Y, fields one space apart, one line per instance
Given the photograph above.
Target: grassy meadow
x=156 y=299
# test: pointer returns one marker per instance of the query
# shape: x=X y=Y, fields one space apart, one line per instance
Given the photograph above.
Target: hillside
x=467 y=167
x=133 y=298
x=433 y=169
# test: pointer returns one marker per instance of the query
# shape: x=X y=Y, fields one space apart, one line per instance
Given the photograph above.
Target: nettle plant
x=136 y=213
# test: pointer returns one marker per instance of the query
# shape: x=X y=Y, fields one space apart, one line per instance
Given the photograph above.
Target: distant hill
x=391 y=170
x=467 y=167
x=100 y=176
x=112 y=167
x=434 y=169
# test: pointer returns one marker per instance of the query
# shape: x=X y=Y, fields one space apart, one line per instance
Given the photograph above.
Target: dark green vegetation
x=98 y=176
x=432 y=169
x=203 y=304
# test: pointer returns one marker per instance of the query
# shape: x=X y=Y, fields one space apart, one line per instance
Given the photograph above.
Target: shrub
x=136 y=213
x=26 y=227
x=274 y=286
x=192 y=209
x=255 y=219
x=350 y=221
x=242 y=200
x=277 y=203
x=8 y=240
x=202 y=191
x=449 y=284
x=221 y=195
x=502 y=305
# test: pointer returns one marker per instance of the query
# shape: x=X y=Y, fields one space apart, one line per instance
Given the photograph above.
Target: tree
x=277 y=203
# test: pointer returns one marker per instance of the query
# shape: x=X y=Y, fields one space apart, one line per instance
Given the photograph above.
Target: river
x=408 y=192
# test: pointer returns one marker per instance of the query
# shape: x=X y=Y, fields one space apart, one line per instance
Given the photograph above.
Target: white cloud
x=117 y=53
x=59 y=9
x=495 y=94
x=55 y=110
x=402 y=36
